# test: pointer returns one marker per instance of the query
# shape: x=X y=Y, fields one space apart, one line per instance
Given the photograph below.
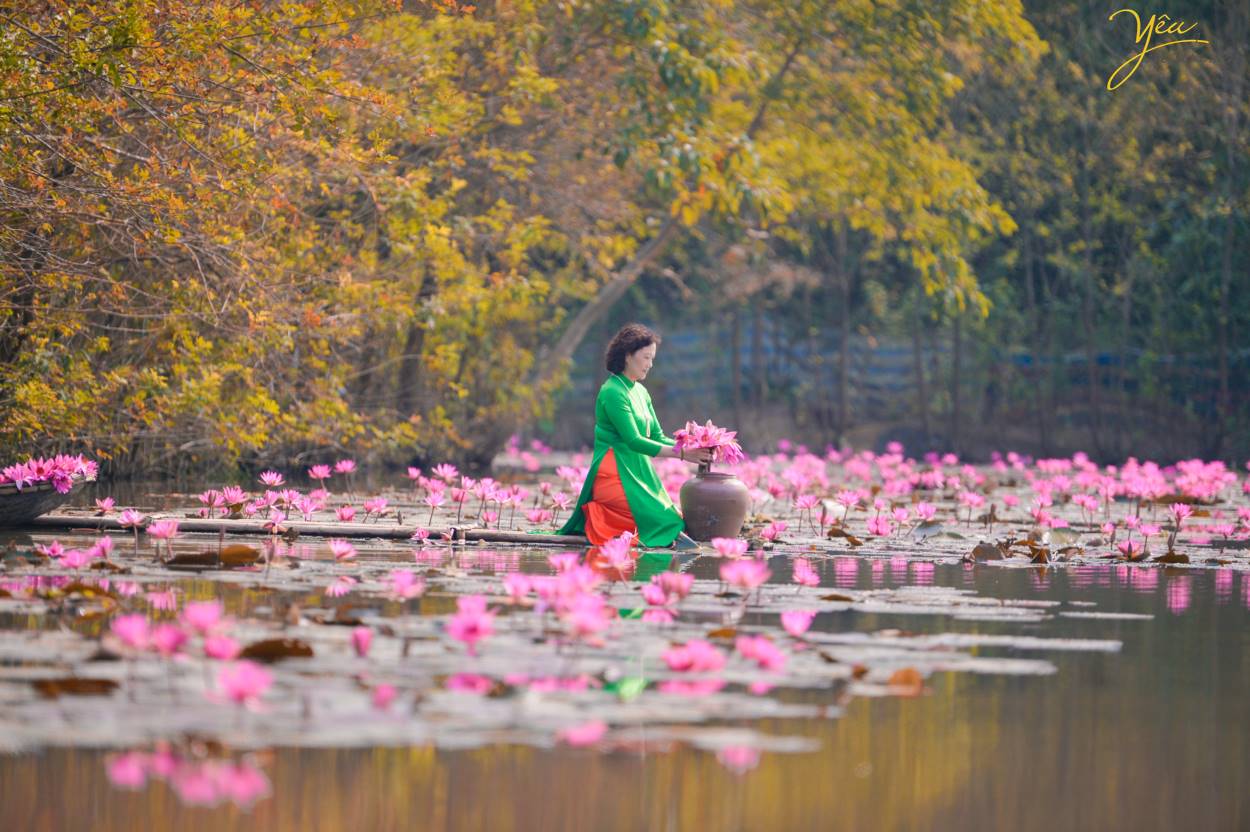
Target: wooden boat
x=19 y=508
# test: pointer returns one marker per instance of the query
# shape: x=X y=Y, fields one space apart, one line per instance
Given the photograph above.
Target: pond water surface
x=1153 y=736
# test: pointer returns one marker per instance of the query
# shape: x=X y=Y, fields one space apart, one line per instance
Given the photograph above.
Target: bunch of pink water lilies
x=60 y=470
x=723 y=443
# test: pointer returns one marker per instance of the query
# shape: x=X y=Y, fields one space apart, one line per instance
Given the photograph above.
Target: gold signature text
x=1158 y=24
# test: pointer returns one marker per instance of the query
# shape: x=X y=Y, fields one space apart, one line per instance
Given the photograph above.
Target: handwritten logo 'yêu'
x=1158 y=24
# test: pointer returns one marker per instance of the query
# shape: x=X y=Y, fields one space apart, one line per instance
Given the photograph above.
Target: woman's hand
x=699 y=455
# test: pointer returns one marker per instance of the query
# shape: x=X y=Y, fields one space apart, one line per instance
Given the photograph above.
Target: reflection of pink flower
x=738 y=758
x=802 y=572
x=406 y=584
x=202 y=616
x=127 y=771
x=564 y=561
x=340 y=586
x=341 y=549
x=746 y=574
x=729 y=547
x=588 y=733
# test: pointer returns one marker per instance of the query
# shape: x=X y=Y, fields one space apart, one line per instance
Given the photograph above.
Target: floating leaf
x=836 y=596
x=276 y=649
x=838 y=531
x=239 y=554
x=74 y=686
x=1172 y=557
x=906 y=681
x=723 y=632
x=987 y=551
x=232 y=556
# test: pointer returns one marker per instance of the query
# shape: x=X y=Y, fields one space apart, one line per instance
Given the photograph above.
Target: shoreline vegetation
x=385 y=229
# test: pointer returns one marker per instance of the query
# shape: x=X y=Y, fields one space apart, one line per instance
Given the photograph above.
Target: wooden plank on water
x=311 y=529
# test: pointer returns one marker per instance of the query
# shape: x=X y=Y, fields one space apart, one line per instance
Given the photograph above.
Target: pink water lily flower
x=341 y=549
x=272 y=479
x=244 y=683
x=361 y=639
x=163 y=529
x=797 y=622
x=695 y=656
x=730 y=547
x=761 y=650
x=221 y=647
x=472 y=622
x=132 y=629
x=383 y=696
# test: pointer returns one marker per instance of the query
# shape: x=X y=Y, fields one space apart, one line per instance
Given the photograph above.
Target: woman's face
x=638 y=363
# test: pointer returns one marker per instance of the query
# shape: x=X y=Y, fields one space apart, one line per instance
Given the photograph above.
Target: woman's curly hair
x=630 y=339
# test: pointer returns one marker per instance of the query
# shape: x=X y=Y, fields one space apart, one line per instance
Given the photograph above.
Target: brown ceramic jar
x=714 y=505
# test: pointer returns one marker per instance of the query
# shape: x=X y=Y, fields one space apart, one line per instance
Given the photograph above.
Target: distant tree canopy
x=257 y=231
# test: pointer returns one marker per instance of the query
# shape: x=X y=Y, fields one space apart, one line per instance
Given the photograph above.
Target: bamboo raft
x=457 y=534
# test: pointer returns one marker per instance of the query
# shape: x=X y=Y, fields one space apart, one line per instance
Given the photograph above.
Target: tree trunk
x=735 y=366
x=1087 y=295
x=759 y=387
x=844 y=335
x=956 y=416
x=917 y=354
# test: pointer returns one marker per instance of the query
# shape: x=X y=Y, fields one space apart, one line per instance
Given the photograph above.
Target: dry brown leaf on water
x=74 y=686
x=1039 y=554
x=906 y=681
x=836 y=596
x=859 y=671
x=986 y=551
x=276 y=649
x=239 y=554
x=723 y=632
x=79 y=588
x=837 y=531
x=232 y=556
x=1172 y=557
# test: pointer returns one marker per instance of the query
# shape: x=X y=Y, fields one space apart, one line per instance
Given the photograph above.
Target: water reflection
x=1152 y=737
x=1179 y=593
x=196 y=780
x=1223 y=585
